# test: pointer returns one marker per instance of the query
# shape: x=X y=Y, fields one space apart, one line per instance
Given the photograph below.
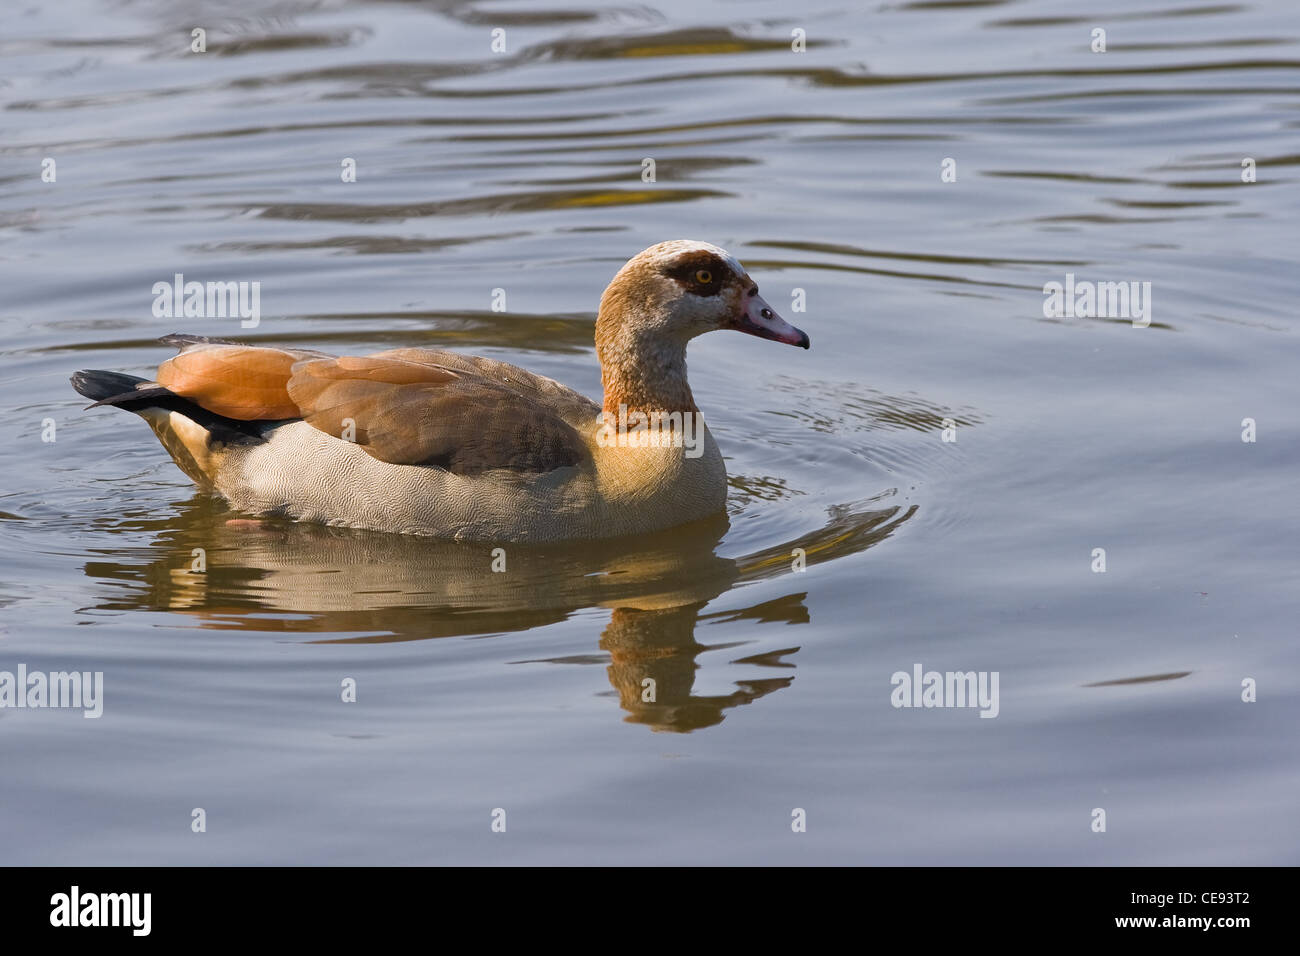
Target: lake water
x=823 y=171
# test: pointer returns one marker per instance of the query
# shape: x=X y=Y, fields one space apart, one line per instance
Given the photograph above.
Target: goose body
x=424 y=441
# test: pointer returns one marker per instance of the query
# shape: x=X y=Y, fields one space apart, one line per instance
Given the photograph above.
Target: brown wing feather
x=408 y=408
x=566 y=402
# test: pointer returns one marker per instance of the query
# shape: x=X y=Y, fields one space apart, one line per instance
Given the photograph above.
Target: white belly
x=311 y=476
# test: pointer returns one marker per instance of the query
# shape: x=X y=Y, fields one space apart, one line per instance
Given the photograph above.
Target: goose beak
x=761 y=319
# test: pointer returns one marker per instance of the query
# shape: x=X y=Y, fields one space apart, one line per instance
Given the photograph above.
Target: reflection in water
x=272 y=575
x=653 y=666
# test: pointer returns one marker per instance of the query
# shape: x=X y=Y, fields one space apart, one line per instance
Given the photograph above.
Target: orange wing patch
x=244 y=382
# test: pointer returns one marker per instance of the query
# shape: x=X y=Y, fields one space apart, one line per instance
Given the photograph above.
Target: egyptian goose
x=428 y=442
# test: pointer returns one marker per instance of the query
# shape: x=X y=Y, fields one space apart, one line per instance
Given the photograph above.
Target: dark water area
x=823 y=172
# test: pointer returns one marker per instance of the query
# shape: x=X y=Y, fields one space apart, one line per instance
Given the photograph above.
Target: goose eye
x=704 y=277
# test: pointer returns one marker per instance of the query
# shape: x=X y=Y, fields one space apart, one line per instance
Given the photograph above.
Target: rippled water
x=821 y=170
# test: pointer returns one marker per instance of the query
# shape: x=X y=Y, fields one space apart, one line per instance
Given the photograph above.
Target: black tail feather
x=102 y=386
x=122 y=391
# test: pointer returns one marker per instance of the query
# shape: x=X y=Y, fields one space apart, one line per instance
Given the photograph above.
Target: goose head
x=679 y=289
x=662 y=298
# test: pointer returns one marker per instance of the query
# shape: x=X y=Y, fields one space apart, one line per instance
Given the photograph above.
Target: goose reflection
x=356 y=587
x=652 y=665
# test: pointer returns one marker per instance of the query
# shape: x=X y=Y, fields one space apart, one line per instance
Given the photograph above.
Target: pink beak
x=761 y=319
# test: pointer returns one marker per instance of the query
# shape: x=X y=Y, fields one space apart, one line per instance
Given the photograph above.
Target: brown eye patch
x=700 y=273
